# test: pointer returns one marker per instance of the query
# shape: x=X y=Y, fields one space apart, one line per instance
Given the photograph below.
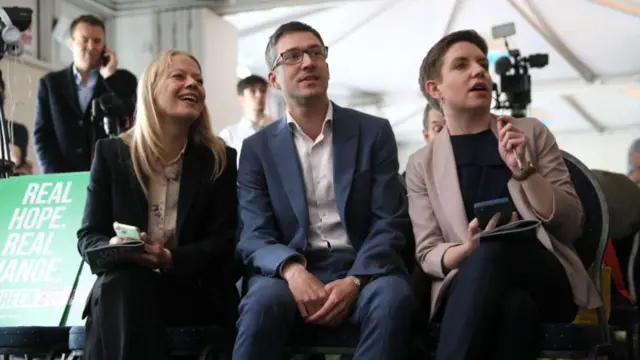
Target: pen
x=518 y=160
x=515 y=154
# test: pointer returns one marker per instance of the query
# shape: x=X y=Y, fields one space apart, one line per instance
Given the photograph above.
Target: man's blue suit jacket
x=273 y=206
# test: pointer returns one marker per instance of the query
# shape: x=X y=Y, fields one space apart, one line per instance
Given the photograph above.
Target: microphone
x=111 y=105
x=112 y=112
x=96 y=108
x=105 y=125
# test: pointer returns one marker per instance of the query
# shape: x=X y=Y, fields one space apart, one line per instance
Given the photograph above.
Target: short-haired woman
x=491 y=296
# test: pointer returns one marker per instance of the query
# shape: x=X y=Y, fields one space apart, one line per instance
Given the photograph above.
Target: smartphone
x=104 y=59
x=127 y=232
x=487 y=209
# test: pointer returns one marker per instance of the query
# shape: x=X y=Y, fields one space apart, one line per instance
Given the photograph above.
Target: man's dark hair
x=249 y=82
x=86 y=19
x=432 y=63
x=270 y=54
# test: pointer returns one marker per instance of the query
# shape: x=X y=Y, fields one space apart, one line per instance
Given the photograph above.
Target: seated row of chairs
x=558 y=340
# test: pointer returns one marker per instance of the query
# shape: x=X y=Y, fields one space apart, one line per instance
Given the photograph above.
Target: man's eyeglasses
x=295 y=56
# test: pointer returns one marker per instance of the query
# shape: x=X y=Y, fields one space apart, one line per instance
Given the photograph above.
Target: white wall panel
x=219 y=40
x=139 y=38
x=134 y=41
x=210 y=38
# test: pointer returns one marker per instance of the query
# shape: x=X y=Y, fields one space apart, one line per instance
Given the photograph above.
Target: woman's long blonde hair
x=145 y=137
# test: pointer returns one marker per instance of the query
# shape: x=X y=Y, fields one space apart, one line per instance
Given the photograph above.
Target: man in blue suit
x=324 y=216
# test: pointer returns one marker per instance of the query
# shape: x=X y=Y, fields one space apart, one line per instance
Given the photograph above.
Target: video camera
x=13 y=21
x=515 y=81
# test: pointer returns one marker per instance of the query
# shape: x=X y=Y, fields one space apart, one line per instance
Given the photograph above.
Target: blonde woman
x=174 y=180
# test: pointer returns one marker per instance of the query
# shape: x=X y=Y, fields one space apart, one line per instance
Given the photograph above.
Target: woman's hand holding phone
x=124 y=233
x=475 y=230
x=155 y=256
x=117 y=240
x=456 y=255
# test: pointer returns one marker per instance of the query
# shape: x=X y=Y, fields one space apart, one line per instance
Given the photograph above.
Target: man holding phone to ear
x=64 y=129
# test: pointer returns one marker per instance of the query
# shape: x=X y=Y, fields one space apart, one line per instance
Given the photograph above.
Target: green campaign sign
x=39 y=262
x=76 y=304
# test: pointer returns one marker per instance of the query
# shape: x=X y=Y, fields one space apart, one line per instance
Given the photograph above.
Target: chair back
x=595 y=229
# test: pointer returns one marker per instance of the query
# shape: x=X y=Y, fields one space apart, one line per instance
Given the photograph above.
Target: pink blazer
x=439 y=220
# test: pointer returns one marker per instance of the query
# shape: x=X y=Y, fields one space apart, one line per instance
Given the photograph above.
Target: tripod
x=6 y=165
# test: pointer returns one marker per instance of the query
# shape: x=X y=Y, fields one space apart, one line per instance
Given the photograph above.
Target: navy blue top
x=482 y=174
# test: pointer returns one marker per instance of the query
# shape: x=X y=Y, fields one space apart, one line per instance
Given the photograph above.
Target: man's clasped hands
x=318 y=303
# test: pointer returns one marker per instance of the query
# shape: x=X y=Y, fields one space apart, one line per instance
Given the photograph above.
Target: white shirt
x=235 y=134
x=326 y=230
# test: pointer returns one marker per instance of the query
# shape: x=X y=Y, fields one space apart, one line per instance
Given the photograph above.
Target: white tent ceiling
x=592 y=82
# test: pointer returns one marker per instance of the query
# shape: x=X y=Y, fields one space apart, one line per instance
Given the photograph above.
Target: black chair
x=33 y=342
x=586 y=340
x=206 y=343
x=632 y=325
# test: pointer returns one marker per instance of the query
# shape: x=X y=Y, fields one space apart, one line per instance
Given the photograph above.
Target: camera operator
x=66 y=126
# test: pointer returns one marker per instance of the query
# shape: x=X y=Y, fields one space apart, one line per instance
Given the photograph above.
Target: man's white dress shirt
x=326 y=230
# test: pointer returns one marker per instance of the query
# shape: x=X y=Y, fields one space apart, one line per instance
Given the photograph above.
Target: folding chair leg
x=602 y=350
x=212 y=352
x=633 y=340
x=56 y=351
x=207 y=352
x=75 y=355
